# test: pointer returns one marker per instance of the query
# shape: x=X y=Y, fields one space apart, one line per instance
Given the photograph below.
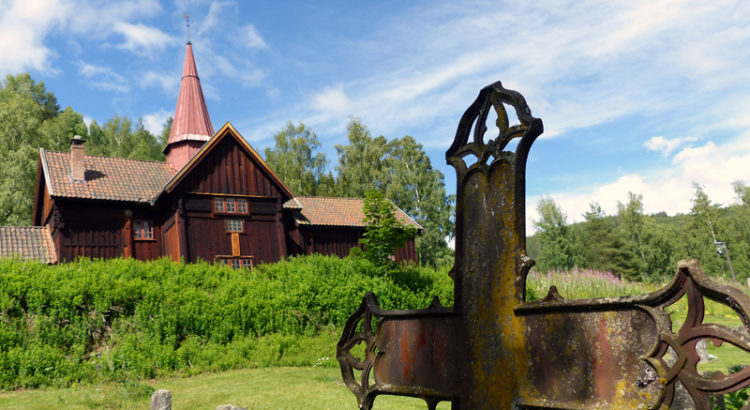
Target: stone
x=161 y=400
x=702 y=349
x=230 y=407
x=682 y=399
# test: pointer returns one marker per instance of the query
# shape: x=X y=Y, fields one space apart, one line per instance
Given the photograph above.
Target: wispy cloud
x=216 y=11
x=579 y=64
x=103 y=78
x=252 y=38
x=168 y=82
x=666 y=145
x=141 y=39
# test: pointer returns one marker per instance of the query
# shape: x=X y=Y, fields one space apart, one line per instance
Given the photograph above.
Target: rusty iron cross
x=494 y=350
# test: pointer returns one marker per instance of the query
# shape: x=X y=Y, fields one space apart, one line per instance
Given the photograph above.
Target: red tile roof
x=114 y=179
x=337 y=212
x=27 y=242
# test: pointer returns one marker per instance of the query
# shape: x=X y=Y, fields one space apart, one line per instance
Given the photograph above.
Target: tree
x=559 y=247
x=29 y=119
x=605 y=248
x=164 y=136
x=705 y=231
x=418 y=189
x=384 y=233
x=400 y=169
x=17 y=181
x=361 y=162
x=118 y=138
x=703 y=211
x=650 y=245
x=296 y=162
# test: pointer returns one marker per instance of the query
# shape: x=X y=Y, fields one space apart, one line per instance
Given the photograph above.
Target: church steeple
x=191 y=126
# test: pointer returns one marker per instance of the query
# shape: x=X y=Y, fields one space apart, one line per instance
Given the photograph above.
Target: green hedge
x=125 y=319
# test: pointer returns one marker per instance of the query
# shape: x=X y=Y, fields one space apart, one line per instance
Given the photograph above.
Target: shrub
x=124 y=319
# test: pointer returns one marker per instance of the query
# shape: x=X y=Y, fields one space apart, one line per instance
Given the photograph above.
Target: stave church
x=214 y=199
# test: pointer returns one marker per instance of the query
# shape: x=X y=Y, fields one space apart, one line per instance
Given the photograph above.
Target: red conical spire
x=191 y=126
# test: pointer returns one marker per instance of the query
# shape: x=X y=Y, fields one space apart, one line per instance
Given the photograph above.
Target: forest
x=637 y=246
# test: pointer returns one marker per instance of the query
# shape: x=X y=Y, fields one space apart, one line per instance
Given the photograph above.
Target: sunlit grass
x=272 y=388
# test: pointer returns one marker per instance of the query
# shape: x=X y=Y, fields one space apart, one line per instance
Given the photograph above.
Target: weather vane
x=187 y=22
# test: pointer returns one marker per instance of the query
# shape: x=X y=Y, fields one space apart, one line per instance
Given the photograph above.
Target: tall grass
x=581 y=284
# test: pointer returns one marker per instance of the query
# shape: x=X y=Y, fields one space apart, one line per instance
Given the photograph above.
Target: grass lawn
x=269 y=388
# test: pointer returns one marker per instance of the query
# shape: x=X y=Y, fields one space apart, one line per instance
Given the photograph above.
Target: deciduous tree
x=559 y=247
x=418 y=189
x=361 y=161
x=30 y=118
x=296 y=161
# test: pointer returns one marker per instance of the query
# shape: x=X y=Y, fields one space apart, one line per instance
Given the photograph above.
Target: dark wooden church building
x=214 y=199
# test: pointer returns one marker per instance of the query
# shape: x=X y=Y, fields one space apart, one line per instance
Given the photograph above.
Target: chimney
x=77 y=153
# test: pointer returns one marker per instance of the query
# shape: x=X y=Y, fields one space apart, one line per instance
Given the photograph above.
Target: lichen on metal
x=493 y=349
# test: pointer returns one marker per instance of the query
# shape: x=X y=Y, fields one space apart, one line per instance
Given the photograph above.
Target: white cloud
x=714 y=167
x=214 y=16
x=332 y=101
x=666 y=145
x=99 y=19
x=579 y=64
x=237 y=70
x=154 y=122
x=169 y=82
x=25 y=23
x=103 y=78
x=141 y=39
x=252 y=37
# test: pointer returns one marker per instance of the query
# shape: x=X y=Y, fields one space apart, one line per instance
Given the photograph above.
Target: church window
x=230 y=205
x=143 y=229
x=234 y=225
x=245 y=262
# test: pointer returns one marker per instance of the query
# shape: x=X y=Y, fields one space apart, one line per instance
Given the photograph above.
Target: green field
x=272 y=388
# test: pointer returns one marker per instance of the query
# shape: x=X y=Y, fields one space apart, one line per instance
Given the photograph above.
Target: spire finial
x=187 y=22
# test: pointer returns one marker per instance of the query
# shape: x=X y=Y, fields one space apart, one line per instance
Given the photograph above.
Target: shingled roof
x=114 y=179
x=27 y=242
x=326 y=211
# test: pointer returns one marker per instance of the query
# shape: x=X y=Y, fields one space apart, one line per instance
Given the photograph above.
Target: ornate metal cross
x=494 y=350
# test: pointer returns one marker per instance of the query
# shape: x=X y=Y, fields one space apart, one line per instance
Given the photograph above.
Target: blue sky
x=642 y=96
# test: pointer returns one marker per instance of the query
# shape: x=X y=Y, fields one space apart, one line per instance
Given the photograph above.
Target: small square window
x=242 y=206
x=230 y=206
x=234 y=225
x=143 y=229
x=244 y=262
x=219 y=204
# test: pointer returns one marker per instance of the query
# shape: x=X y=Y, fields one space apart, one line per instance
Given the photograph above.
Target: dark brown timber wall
x=336 y=240
x=228 y=169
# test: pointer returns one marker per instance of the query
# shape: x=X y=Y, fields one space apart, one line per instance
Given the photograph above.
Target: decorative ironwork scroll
x=494 y=350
